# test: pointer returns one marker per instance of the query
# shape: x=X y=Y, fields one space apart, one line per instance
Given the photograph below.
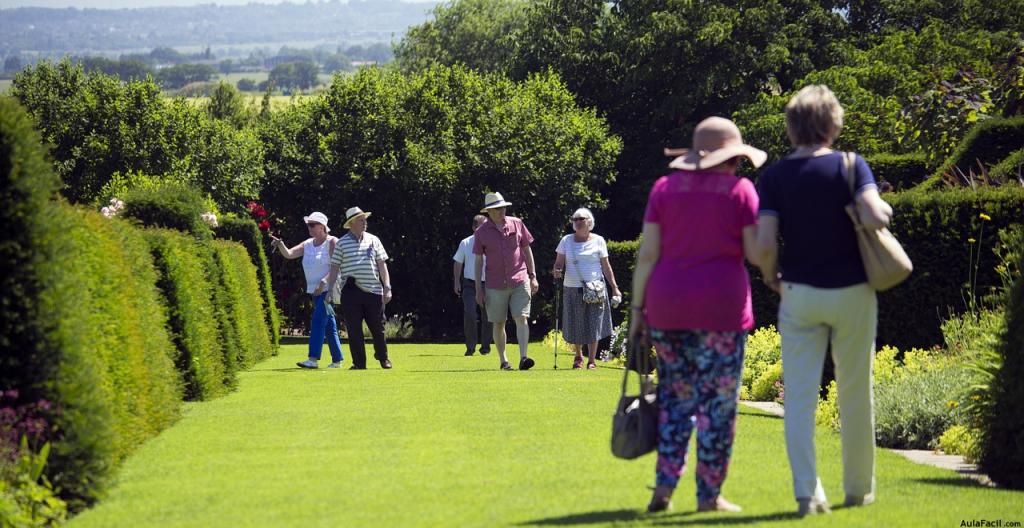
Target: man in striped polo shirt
x=361 y=262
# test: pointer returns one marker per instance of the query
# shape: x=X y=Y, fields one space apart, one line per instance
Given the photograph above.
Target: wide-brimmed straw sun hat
x=318 y=217
x=715 y=140
x=352 y=214
x=494 y=201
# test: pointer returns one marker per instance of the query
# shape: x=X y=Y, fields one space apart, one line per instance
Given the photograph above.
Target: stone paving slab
x=919 y=456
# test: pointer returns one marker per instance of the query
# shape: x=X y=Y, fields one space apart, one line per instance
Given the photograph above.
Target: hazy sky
x=117 y=4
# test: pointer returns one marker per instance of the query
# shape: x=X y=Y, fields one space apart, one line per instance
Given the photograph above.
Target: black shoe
x=483 y=352
x=506 y=366
x=525 y=363
x=385 y=364
x=356 y=367
x=470 y=353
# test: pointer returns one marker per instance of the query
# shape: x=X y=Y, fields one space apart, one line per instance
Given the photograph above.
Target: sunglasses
x=312 y=224
x=579 y=218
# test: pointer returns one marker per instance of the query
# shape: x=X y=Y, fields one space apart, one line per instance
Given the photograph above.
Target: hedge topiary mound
x=245 y=232
x=902 y=171
x=990 y=141
x=240 y=290
x=188 y=293
x=1010 y=168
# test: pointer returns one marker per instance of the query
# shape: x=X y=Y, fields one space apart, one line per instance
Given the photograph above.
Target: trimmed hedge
x=1003 y=443
x=1010 y=168
x=27 y=182
x=990 y=141
x=82 y=325
x=245 y=232
x=188 y=293
x=116 y=384
x=902 y=171
x=240 y=290
x=622 y=258
x=934 y=228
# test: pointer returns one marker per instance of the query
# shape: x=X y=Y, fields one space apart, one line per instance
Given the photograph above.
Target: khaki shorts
x=515 y=300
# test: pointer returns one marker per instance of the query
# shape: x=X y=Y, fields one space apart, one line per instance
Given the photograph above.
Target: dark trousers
x=474 y=319
x=358 y=306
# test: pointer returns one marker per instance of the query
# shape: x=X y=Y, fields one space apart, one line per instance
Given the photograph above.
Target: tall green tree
x=419 y=151
x=100 y=127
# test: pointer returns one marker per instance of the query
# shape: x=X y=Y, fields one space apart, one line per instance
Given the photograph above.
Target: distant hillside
x=49 y=32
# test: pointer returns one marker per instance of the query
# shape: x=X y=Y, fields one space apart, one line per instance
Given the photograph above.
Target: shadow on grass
x=674 y=519
x=758 y=414
x=598 y=517
x=456 y=371
x=962 y=482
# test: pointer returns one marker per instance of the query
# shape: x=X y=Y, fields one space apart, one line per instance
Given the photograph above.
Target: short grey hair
x=813 y=116
x=583 y=211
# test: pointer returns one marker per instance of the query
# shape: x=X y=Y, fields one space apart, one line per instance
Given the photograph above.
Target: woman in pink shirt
x=692 y=296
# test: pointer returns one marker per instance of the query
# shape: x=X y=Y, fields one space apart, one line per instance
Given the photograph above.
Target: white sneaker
x=336 y=364
x=812 y=506
x=307 y=364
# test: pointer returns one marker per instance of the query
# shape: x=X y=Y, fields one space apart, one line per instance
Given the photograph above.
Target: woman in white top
x=316 y=264
x=583 y=256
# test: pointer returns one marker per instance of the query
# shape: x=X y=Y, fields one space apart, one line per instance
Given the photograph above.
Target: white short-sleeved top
x=582 y=259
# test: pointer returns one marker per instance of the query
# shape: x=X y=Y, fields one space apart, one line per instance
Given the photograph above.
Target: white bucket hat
x=715 y=140
x=494 y=201
x=318 y=217
x=354 y=213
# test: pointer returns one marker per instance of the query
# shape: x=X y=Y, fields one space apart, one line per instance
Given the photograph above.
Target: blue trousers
x=324 y=324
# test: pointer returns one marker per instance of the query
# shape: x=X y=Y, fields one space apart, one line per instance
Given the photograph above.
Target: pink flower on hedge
x=264 y=225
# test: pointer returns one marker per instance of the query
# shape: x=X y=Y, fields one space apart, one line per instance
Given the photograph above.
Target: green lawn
x=445 y=440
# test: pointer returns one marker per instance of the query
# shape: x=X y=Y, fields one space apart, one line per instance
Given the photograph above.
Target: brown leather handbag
x=635 y=423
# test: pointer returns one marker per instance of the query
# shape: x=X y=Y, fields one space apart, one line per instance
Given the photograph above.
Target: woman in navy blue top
x=824 y=292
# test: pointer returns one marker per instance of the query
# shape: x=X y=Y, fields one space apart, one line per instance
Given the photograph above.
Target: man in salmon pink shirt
x=511 y=275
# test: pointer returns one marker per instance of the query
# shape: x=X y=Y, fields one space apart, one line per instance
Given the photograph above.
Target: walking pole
x=558 y=294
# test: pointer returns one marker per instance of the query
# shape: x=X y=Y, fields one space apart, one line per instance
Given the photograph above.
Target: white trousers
x=809 y=318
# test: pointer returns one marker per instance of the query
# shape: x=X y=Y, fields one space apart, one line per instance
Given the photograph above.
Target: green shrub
x=169 y=204
x=768 y=385
x=762 y=353
x=245 y=303
x=116 y=383
x=902 y=171
x=27 y=498
x=245 y=232
x=959 y=440
x=183 y=281
x=914 y=412
x=622 y=258
x=1003 y=428
x=1011 y=168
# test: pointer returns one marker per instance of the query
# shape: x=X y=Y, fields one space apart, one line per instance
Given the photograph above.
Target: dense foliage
x=419 y=152
x=100 y=127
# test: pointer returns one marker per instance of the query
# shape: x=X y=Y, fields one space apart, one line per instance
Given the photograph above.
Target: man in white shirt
x=474 y=322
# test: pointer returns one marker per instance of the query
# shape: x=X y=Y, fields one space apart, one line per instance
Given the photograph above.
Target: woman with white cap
x=692 y=301
x=315 y=253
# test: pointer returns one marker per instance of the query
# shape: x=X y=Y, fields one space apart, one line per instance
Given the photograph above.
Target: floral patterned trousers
x=698 y=382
